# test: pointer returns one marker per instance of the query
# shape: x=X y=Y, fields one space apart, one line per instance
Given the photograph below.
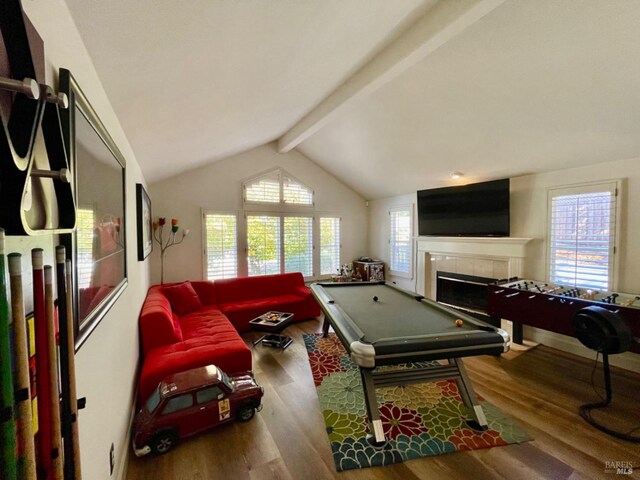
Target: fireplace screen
x=463 y=291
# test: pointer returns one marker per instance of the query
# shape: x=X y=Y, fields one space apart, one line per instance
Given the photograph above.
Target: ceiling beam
x=440 y=24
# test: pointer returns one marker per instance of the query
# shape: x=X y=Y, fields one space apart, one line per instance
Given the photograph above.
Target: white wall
x=107 y=362
x=218 y=187
x=529 y=219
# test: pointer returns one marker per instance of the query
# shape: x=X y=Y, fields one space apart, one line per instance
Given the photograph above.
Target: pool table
x=380 y=324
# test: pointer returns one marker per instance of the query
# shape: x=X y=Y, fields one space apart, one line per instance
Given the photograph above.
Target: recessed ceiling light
x=456 y=175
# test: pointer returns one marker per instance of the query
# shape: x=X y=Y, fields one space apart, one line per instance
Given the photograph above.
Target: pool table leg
x=376 y=438
x=479 y=421
x=325 y=326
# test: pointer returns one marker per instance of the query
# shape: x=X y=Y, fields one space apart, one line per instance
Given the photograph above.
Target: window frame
x=181 y=408
x=615 y=186
x=401 y=208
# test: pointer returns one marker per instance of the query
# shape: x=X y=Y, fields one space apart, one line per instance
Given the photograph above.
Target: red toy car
x=190 y=402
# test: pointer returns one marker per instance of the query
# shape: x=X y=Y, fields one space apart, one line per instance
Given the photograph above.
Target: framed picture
x=145 y=227
x=98 y=245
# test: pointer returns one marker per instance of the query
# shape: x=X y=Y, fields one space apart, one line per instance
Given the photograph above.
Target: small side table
x=272 y=323
x=369 y=270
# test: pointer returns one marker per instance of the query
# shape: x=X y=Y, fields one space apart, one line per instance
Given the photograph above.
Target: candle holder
x=171 y=240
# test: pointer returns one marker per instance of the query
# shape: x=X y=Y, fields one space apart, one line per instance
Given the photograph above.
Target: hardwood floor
x=541 y=389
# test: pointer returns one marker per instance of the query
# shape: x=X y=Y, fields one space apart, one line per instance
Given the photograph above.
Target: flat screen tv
x=476 y=210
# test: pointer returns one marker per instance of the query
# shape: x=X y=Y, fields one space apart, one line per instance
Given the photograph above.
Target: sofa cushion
x=206 y=291
x=205 y=322
x=183 y=298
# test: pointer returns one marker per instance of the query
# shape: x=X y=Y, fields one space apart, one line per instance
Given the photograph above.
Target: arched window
x=277 y=187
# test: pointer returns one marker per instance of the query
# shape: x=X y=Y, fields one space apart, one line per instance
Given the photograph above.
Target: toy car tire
x=163 y=442
x=245 y=413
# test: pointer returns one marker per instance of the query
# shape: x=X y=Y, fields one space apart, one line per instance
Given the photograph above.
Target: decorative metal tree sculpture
x=158 y=230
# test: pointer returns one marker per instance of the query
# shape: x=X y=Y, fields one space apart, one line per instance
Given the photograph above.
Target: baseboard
x=628 y=360
x=126 y=448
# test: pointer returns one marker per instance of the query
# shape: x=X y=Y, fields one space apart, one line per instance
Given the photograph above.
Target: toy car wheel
x=163 y=442
x=245 y=413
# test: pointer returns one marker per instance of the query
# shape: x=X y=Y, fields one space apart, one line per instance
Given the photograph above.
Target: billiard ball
x=458 y=323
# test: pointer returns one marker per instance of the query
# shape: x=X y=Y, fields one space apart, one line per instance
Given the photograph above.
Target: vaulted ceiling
x=390 y=97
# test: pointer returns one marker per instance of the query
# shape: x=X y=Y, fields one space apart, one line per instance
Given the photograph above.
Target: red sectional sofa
x=192 y=324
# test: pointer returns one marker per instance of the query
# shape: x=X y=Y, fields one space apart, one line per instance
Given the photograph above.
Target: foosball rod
x=631 y=301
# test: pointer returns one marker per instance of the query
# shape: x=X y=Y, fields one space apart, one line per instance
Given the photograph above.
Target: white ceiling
x=535 y=85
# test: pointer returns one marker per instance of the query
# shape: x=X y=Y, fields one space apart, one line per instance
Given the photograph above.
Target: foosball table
x=552 y=307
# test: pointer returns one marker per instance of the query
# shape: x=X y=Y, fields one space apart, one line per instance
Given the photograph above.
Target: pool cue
x=22 y=379
x=65 y=320
x=73 y=396
x=8 y=458
x=54 y=394
x=43 y=437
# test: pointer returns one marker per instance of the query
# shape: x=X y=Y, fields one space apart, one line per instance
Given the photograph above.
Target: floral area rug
x=419 y=420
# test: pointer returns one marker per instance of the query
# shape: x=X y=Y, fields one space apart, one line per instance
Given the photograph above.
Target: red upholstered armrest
x=303 y=291
x=158 y=324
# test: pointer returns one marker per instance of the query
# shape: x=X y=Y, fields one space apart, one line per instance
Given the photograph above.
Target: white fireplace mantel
x=495 y=257
x=492 y=246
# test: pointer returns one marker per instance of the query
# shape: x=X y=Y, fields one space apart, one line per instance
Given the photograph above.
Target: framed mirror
x=97 y=248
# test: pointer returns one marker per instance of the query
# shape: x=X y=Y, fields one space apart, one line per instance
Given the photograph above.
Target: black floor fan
x=605 y=332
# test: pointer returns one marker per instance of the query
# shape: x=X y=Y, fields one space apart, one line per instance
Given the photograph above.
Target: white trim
x=627 y=360
x=493 y=246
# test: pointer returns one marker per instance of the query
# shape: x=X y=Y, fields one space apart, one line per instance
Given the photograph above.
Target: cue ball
x=458 y=323
x=375 y=299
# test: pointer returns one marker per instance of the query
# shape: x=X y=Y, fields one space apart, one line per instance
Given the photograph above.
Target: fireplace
x=467 y=292
x=470 y=259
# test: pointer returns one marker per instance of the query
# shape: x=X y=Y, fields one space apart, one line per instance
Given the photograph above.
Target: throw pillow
x=183 y=298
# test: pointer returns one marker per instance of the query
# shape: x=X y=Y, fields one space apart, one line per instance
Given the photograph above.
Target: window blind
x=582 y=235
x=277 y=187
x=298 y=245
x=221 y=246
x=295 y=193
x=329 y=245
x=265 y=189
x=84 y=240
x=263 y=244
x=400 y=240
